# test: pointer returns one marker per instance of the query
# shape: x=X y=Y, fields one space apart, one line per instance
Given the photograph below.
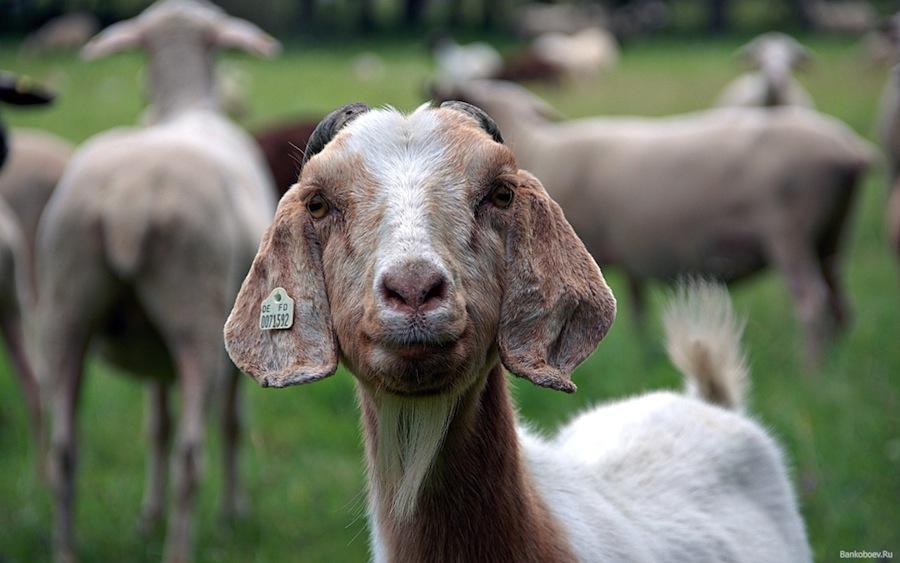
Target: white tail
x=703 y=339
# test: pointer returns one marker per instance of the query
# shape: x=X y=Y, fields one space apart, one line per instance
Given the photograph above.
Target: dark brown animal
x=281 y=145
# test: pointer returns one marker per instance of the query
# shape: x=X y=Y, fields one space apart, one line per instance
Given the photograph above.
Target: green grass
x=303 y=460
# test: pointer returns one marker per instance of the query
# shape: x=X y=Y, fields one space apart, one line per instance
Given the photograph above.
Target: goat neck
x=477 y=502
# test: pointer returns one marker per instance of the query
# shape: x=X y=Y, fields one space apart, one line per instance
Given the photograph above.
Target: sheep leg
x=193 y=374
x=837 y=297
x=233 y=503
x=809 y=291
x=63 y=448
x=11 y=329
x=638 y=303
x=159 y=430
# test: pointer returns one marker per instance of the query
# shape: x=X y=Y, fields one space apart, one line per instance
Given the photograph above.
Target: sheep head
x=416 y=251
x=187 y=24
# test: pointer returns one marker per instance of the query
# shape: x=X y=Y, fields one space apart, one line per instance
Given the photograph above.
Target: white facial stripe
x=406 y=156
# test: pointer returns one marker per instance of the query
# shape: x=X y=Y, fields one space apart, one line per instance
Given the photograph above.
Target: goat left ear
x=236 y=33
x=288 y=258
x=556 y=305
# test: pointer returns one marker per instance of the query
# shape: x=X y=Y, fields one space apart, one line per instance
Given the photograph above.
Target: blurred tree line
x=289 y=17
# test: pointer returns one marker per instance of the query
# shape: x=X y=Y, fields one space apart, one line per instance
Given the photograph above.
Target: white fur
x=703 y=340
x=410 y=434
x=403 y=154
x=458 y=63
x=664 y=477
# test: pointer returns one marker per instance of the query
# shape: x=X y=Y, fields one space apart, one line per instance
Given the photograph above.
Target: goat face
x=416 y=251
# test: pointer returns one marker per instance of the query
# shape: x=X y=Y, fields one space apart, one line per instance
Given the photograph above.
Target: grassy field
x=302 y=461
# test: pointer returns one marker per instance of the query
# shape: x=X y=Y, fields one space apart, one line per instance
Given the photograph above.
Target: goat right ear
x=556 y=306
x=288 y=258
x=115 y=38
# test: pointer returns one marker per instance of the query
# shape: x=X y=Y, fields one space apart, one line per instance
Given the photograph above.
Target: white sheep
x=17 y=180
x=32 y=171
x=68 y=31
x=889 y=125
x=582 y=55
x=459 y=63
x=142 y=248
x=889 y=122
x=721 y=193
x=27 y=179
x=417 y=252
x=535 y=18
x=772 y=57
x=852 y=17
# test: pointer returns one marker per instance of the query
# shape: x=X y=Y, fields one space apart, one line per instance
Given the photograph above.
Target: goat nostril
x=435 y=294
x=414 y=288
x=393 y=297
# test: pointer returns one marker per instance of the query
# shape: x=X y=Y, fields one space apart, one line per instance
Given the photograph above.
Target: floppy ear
x=556 y=306
x=115 y=38
x=288 y=257
x=234 y=33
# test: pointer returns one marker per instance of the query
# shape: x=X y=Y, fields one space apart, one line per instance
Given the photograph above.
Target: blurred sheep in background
x=459 y=63
x=881 y=45
x=143 y=245
x=851 y=17
x=889 y=126
x=698 y=193
x=536 y=19
x=889 y=123
x=63 y=33
x=772 y=57
x=36 y=162
x=582 y=55
x=16 y=296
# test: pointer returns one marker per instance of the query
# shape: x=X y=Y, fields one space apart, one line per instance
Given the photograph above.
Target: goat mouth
x=417 y=350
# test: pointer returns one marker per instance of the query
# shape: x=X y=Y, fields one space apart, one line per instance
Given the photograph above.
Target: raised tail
x=703 y=340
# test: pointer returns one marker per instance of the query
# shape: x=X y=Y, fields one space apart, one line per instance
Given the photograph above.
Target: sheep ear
x=556 y=306
x=288 y=258
x=234 y=33
x=804 y=59
x=22 y=91
x=115 y=38
x=749 y=54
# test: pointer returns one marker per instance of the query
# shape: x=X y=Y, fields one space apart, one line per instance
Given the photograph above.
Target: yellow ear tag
x=277 y=311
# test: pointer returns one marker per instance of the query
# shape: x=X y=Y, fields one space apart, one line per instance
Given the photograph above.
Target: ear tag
x=277 y=311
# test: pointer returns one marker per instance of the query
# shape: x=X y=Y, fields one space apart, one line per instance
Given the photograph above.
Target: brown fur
x=522 y=287
x=479 y=504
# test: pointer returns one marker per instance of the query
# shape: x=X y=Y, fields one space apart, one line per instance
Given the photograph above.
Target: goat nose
x=414 y=287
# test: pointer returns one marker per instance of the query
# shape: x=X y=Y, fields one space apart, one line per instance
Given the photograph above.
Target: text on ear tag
x=277 y=311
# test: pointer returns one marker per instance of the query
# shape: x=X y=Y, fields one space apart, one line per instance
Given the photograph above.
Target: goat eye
x=318 y=206
x=501 y=196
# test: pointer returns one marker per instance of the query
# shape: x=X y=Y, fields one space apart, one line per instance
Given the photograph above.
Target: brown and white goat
x=415 y=250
